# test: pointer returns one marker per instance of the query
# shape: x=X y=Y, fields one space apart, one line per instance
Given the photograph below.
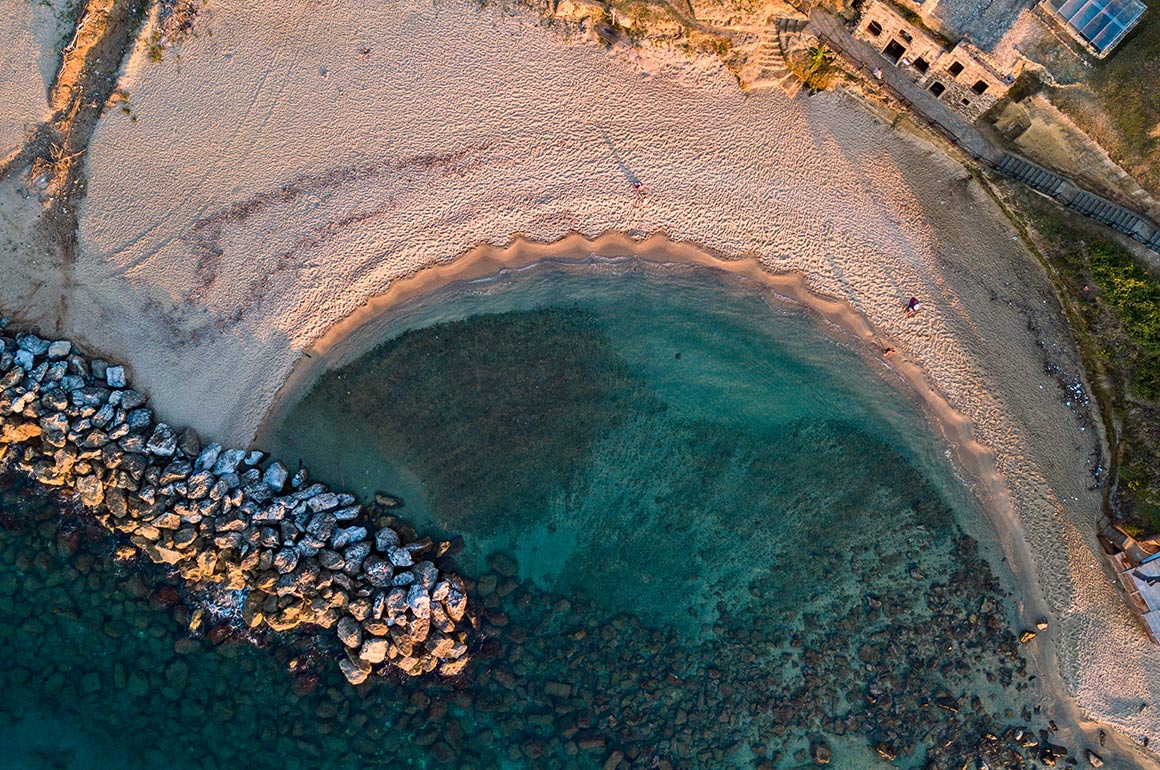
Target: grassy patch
x=1135 y=297
x=1114 y=306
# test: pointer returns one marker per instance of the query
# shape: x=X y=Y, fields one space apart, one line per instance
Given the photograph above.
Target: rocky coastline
x=300 y=555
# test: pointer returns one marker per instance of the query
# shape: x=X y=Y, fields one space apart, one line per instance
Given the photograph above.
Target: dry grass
x=1122 y=109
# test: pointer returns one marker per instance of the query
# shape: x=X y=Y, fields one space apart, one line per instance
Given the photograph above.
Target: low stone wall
x=301 y=553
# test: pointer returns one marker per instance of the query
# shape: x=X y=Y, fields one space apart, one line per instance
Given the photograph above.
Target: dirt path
x=52 y=158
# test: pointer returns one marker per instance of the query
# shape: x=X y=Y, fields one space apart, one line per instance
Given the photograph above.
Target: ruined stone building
x=961 y=76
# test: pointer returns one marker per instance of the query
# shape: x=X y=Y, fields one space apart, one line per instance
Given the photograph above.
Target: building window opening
x=966 y=102
x=907 y=36
x=921 y=65
x=937 y=88
x=874 y=28
x=894 y=51
x=979 y=87
x=955 y=69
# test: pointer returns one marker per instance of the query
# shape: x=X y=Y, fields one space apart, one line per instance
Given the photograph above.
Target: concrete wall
x=955 y=75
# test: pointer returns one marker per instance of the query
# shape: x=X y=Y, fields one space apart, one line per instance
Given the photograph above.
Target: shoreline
x=211 y=278
x=360 y=332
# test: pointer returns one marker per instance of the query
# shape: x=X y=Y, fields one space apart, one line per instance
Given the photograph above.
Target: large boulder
x=373 y=650
x=349 y=632
x=356 y=672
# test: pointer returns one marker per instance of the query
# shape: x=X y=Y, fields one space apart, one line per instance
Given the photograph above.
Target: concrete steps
x=780 y=36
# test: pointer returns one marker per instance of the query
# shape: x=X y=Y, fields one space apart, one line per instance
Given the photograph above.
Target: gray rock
x=56 y=371
x=442 y=646
x=139 y=419
x=453 y=667
x=199 y=484
x=354 y=556
x=228 y=461
x=299 y=478
x=349 y=513
x=455 y=605
x=330 y=560
x=419 y=601
x=254 y=457
x=163 y=442
x=425 y=574
x=349 y=632
x=322 y=526
x=94 y=439
x=208 y=456
x=54 y=429
x=24 y=360
x=403 y=579
x=304 y=494
x=189 y=443
x=821 y=752
x=400 y=557
x=134 y=442
x=323 y=502
x=31 y=343
x=275 y=476
x=386 y=539
x=378 y=572
x=59 y=349
x=347 y=536
x=104 y=415
x=273 y=512
x=71 y=382
x=54 y=400
x=131 y=399
x=115 y=376
x=98 y=367
x=285 y=560
x=175 y=471
x=184 y=537
x=396 y=604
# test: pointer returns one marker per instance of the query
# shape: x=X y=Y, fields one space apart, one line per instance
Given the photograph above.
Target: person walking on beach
x=912 y=306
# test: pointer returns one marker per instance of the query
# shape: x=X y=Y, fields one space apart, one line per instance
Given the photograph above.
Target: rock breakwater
x=300 y=554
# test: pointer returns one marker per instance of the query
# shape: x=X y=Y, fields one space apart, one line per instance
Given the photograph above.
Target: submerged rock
x=356 y=672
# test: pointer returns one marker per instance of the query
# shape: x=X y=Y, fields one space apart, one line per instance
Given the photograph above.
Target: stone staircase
x=778 y=39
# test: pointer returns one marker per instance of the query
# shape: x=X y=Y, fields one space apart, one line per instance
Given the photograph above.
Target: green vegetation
x=154 y=50
x=818 y=69
x=1113 y=306
x=1135 y=297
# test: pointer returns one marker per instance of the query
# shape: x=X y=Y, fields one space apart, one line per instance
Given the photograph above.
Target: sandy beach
x=286 y=168
x=26 y=32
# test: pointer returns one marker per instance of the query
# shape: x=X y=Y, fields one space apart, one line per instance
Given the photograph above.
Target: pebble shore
x=302 y=555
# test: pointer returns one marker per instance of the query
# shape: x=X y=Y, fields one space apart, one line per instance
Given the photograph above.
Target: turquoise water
x=702 y=533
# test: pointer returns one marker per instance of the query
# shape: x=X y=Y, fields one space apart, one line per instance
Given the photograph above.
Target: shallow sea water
x=704 y=534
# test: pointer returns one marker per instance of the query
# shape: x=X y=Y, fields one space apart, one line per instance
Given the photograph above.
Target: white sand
x=27 y=30
x=277 y=179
